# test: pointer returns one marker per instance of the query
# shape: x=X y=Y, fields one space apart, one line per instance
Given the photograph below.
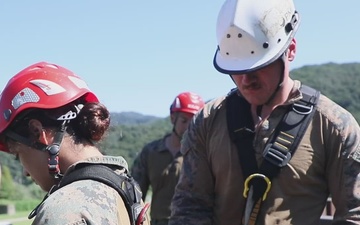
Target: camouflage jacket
x=327 y=161
x=155 y=166
x=86 y=201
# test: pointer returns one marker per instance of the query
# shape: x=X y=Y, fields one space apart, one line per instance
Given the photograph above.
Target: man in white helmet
x=226 y=180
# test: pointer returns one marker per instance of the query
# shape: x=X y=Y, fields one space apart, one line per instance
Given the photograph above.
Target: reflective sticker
x=195 y=98
x=78 y=82
x=49 y=87
x=26 y=95
x=177 y=103
x=193 y=106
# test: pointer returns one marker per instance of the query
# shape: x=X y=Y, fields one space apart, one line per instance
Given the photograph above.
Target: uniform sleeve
x=140 y=171
x=343 y=166
x=193 y=200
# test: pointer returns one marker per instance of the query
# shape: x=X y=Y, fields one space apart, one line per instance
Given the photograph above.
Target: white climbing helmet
x=252 y=34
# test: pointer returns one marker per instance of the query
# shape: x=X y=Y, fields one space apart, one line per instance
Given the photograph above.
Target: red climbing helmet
x=44 y=86
x=187 y=102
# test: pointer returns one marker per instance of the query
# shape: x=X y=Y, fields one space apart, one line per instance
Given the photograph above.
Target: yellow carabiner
x=258 y=175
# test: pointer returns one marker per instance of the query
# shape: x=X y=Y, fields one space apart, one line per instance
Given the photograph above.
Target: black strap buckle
x=276 y=156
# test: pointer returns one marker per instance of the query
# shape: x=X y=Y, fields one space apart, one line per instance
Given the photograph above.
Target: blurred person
x=158 y=164
x=253 y=175
x=51 y=122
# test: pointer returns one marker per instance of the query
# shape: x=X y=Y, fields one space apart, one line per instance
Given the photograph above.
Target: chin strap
x=54 y=149
x=25 y=141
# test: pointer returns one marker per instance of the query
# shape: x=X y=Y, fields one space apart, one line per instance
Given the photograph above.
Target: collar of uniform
x=162 y=144
x=104 y=160
x=295 y=94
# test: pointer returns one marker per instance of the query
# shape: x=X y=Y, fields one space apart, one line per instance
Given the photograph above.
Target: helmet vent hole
x=239 y=35
x=265 y=45
x=289 y=27
x=227 y=53
x=228 y=35
x=252 y=52
x=278 y=41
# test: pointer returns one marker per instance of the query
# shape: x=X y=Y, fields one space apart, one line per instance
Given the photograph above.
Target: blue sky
x=138 y=55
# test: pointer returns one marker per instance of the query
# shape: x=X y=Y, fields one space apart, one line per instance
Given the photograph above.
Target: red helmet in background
x=43 y=86
x=187 y=102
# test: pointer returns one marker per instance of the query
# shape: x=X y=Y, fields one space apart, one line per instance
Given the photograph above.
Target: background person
x=51 y=122
x=158 y=164
x=255 y=47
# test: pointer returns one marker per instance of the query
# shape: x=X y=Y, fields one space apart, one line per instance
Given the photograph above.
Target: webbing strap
x=241 y=130
x=278 y=151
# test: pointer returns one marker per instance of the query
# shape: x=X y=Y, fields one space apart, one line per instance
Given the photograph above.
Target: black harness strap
x=124 y=184
x=278 y=151
x=241 y=130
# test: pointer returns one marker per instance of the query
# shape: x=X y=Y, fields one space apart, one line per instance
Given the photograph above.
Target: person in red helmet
x=51 y=121
x=158 y=164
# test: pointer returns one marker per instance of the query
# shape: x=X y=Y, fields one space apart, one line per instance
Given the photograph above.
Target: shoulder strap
x=241 y=131
x=289 y=132
x=124 y=184
x=277 y=152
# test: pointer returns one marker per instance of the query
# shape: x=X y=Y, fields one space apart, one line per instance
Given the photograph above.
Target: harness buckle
x=276 y=156
x=302 y=109
x=257 y=175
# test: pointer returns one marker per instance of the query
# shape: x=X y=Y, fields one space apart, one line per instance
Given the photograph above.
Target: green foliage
x=33 y=191
x=128 y=140
x=22 y=205
x=11 y=190
x=7 y=190
x=26 y=205
x=14 y=166
x=131 y=118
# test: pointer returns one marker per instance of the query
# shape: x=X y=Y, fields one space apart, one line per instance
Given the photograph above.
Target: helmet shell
x=187 y=102
x=43 y=86
x=252 y=34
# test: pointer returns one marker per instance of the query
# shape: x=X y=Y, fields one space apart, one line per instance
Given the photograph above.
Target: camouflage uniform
x=86 y=201
x=156 y=166
x=327 y=161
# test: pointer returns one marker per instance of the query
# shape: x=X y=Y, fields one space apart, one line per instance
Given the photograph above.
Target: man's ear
x=291 y=50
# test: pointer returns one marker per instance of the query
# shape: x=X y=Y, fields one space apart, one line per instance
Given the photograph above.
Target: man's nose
x=248 y=78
